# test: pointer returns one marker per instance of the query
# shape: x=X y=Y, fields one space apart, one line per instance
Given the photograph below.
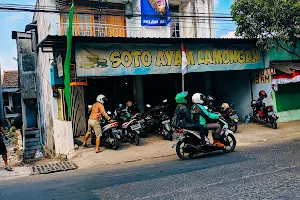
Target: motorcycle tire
x=178 y=152
x=93 y=140
x=115 y=145
x=274 y=125
x=234 y=128
x=170 y=136
x=233 y=144
x=135 y=138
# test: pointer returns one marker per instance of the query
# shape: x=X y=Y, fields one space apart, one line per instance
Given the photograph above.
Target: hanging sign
x=142 y=59
x=60 y=68
x=155 y=13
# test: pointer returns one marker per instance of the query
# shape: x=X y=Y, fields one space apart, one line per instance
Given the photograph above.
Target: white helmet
x=198 y=98
x=101 y=98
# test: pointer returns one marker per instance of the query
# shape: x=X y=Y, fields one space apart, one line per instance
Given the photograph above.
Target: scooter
x=110 y=136
x=232 y=118
x=264 y=114
x=189 y=142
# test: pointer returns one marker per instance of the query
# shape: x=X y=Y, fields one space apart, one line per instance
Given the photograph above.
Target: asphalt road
x=268 y=172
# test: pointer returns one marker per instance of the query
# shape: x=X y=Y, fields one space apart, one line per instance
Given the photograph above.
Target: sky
x=16 y=21
x=11 y=21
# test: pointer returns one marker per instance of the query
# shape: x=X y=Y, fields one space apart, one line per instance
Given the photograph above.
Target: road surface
x=265 y=172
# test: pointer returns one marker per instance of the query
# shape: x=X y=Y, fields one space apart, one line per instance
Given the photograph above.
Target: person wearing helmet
x=201 y=115
x=97 y=111
x=210 y=102
x=182 y=116
x=260 y=104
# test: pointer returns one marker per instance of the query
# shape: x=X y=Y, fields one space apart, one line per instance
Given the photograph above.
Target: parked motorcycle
x=110 y=135
x=189 y=142
x=130 y=128
x=264 y=114
x=158 y=118
x=231 y=118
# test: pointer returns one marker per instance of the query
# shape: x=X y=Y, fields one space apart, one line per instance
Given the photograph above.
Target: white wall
x=46 y=23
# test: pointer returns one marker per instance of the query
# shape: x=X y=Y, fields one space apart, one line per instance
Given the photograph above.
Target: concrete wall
x=46 y=26
x=195 y=27
x=233 y=87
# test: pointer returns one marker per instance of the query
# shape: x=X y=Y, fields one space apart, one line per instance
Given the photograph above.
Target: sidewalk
x=155 y=147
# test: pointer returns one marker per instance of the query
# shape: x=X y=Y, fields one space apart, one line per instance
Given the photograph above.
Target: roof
x=10 y=78
x=59 y=43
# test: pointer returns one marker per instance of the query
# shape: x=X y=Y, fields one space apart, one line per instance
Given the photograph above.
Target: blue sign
x=155 y=13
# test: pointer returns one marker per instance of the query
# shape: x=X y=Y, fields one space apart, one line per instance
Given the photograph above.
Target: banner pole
x=182 y=82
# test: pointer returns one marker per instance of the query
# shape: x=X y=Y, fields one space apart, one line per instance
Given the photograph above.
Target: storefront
x=149 y=70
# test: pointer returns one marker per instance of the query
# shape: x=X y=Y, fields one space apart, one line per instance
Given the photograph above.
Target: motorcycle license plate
x=166 y=121
x=135 y=127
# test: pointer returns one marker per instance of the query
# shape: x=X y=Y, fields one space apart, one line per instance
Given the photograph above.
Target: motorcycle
x=130 y=128
x=232 y=118
x=189 y=142
x=110 y=135
x=141 y=121
x=264 y=114
x=159 y=119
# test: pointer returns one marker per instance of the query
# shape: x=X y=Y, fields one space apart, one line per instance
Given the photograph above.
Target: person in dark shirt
x=3 y=150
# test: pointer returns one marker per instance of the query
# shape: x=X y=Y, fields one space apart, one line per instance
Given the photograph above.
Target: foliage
x=12 y=134
x=275 y=23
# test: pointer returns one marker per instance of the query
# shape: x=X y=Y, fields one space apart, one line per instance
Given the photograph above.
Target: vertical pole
x=182 y=80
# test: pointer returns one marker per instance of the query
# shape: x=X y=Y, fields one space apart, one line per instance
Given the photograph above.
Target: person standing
x=97 y=111
x=3 y=150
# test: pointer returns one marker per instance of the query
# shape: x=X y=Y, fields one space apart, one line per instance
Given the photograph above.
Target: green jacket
x=201 y=114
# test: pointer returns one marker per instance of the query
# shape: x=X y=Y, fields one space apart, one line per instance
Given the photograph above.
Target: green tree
x=274 y=23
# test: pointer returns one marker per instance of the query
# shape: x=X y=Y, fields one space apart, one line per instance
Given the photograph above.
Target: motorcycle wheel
x=274 y=124
x=234 y=128
x=181 y=154
x=229 y=142
x=115 y=143
x=135 y=138
x=170 y=136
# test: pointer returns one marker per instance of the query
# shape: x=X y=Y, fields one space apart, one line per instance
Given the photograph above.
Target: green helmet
x=180 y=97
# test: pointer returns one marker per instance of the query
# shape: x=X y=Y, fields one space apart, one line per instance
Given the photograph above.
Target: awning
x=288 y=67
x=59 y=43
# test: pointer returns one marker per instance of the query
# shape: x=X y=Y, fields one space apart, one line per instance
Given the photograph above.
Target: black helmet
x=210 y=101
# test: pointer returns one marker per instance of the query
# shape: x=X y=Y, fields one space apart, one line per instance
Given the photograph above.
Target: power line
x=26 y=9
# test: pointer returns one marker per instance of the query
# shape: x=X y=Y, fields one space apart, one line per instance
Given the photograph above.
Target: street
x=269 y=171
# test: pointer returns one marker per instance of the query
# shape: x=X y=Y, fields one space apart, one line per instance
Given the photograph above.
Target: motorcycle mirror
x=165 y=101
x=108 y=112
x=148 y=105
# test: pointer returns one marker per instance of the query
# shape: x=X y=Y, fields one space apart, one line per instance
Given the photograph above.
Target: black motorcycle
x=264 y=114
x=158 y=119
x=189 y=142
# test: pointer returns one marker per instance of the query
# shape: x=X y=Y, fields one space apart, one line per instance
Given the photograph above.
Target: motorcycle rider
x=201 y=115
x=259 y=103
x=182 y=117
x=97 y=111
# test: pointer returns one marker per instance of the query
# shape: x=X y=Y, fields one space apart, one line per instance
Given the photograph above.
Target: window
x=175 y=28
x=96 y=24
